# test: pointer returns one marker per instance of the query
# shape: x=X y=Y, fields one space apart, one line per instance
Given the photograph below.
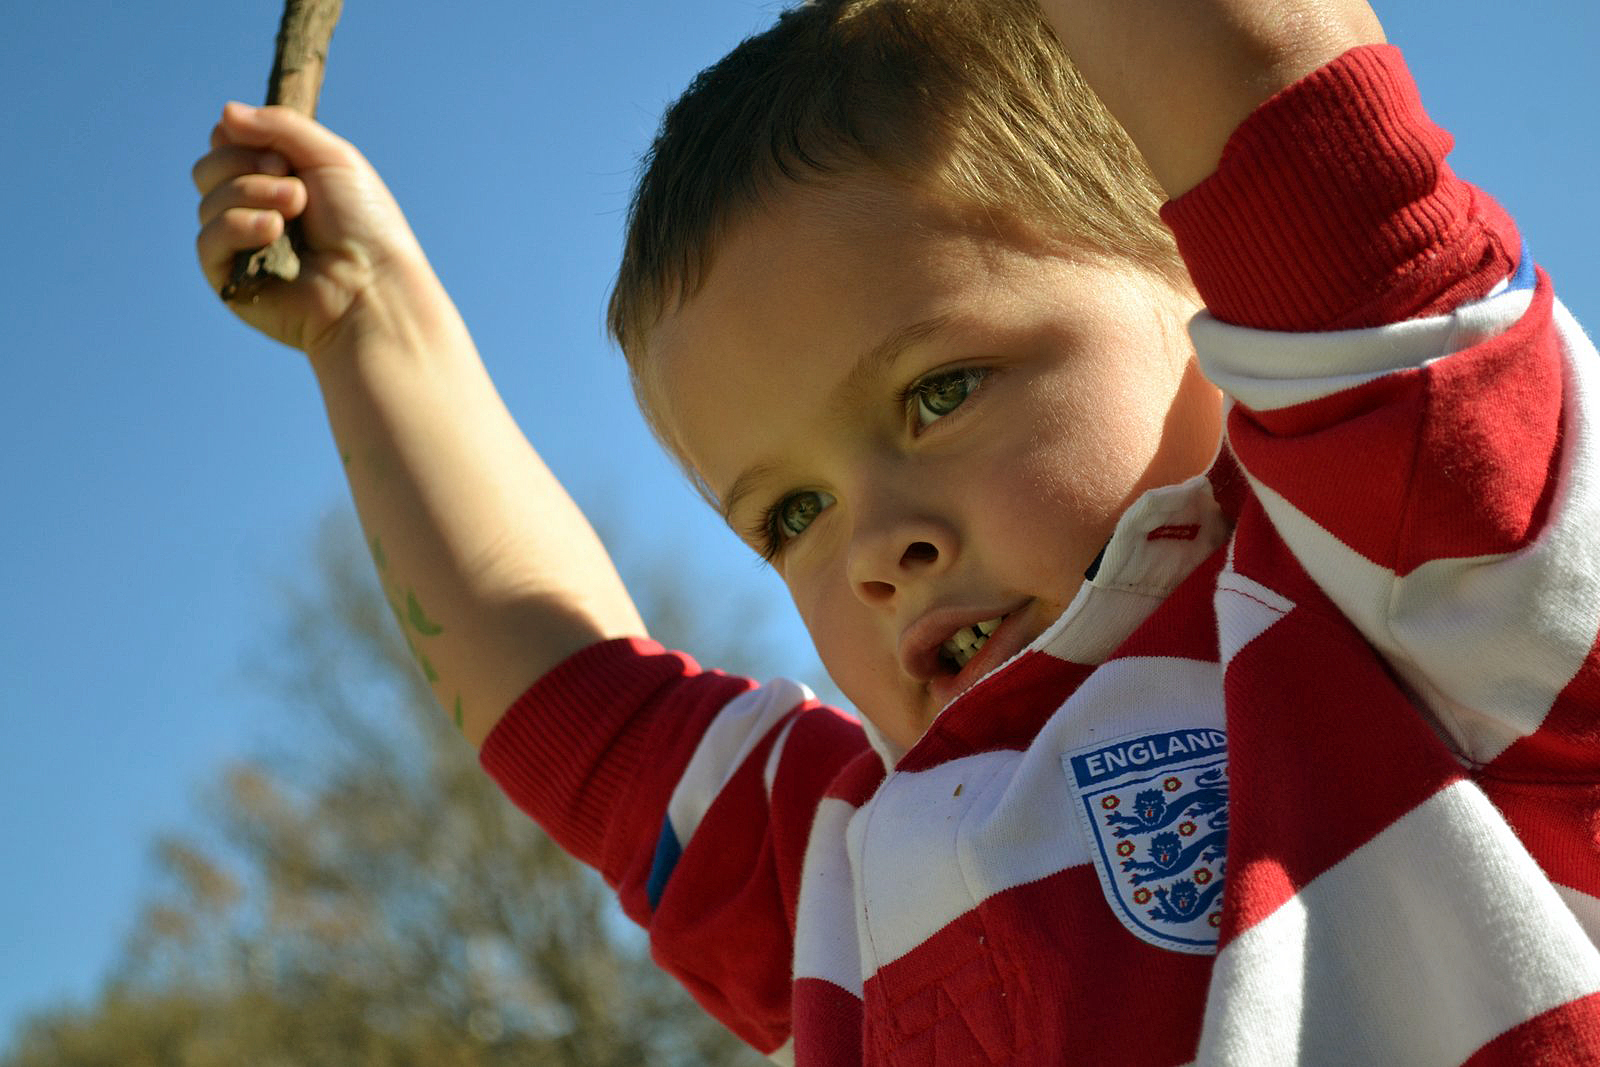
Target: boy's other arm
x=493 y=573
x=1180 y=75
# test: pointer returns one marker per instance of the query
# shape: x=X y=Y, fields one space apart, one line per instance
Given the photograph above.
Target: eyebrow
x=871 y=365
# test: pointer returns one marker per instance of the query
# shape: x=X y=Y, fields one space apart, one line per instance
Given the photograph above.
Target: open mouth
x=962 y=645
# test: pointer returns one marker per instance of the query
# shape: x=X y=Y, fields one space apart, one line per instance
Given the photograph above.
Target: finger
x=235 y=230
x=261 y=192
x=230 y=161
x=303 y=141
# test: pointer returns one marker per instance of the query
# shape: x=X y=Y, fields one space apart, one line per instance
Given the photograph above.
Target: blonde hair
x=972 y=100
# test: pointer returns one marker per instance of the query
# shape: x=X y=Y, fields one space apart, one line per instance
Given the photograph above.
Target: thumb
x=303 y=141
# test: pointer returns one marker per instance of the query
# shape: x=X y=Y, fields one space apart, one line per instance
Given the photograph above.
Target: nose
x=892 y=548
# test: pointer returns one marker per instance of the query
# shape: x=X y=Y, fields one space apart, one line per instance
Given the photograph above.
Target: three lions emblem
x=1156 y=810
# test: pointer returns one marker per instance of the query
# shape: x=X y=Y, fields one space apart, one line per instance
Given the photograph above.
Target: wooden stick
x=296 y=81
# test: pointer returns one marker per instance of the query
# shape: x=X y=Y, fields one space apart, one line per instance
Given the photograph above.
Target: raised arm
x=1180 y=75
x=493 y=573
x=1413 y=408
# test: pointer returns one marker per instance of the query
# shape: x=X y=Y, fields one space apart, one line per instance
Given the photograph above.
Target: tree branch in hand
x=296 y=81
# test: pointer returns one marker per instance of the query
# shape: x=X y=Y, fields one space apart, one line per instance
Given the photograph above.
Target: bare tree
x=362 y=894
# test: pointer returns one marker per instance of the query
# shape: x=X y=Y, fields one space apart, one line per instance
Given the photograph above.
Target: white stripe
x=1133 y=561
x=912 y=854
x=738 y=728
x=769 y=773
x=824 y=939
x=890 y=752
x=1510 y=632
x=1266 y=370
x=936 y=843
x=1137 y=574
x=1487 y=642
x=1099 y=619
x=1585 y=908
x=1245 y=610
x=1417 y=949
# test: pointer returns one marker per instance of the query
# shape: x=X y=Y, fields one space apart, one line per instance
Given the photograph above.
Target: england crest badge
x=1156 y=810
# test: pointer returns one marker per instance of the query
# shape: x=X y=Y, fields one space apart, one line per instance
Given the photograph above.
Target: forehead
x=796 y=293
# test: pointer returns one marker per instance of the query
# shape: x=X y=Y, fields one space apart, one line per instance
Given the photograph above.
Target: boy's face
x=928 y=427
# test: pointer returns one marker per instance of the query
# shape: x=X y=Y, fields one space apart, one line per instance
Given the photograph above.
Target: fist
x=272 y=164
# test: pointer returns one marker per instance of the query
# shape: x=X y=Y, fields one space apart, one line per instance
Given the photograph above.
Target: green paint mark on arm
x=344 y=457
x=422 y=661
x=458 y=712
x=420 y=621
x=377 y=554
x=412 y=614
x=392 y=598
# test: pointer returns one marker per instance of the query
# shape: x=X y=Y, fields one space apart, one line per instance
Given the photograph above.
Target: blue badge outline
x=1122 y=781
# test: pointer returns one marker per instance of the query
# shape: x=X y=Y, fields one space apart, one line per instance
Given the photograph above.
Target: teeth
x=965 y=642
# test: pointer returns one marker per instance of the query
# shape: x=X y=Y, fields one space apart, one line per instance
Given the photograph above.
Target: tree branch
x=296 y=81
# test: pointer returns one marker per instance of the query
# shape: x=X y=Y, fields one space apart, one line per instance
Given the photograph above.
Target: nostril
x=875 y=591
x=919 y=552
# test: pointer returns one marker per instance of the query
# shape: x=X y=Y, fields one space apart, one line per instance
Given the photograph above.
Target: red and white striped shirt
x=1309 y=772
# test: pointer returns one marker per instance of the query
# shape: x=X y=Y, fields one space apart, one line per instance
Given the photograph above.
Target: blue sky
x=164 y=467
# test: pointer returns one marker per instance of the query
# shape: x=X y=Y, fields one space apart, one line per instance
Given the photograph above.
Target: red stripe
x=1453 y=460
x=1344 y=460
x=593 y=750
x=1043 y=973
x=1559 y=823
x=1490 y=446
x=1004 y=711
x=723 y=897
x=1184 y=625
x=1568 y=1036
x=821 y=743
x=1567 y=744
x=827 y=1024
x=859 y=780
x=1324 y=751
x=1545 y=783
x=1332 y=208
x=1229 y=487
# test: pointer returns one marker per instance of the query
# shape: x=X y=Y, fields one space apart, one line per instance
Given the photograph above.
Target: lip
x=919 y=646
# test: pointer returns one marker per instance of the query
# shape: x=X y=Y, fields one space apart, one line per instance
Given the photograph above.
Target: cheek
x=1073 y=467
x=836 y=624
x=1096 y=439
x=1048 y=528
x=1051 y=499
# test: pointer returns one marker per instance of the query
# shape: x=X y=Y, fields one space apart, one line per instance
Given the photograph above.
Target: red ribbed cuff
x=1332 y=208
x=564 y=752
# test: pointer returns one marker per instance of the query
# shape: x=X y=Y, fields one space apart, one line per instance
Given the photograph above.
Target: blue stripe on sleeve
x=1524 y=278
x=666 y=859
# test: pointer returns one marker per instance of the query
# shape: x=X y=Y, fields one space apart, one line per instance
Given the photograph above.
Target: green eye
x=790 y=517
x=799 y=511
x=940 y=394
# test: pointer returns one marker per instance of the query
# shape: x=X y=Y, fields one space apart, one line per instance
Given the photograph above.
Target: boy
x=895 y=297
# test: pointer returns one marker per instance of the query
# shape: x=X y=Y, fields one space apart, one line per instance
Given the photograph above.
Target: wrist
x=1334 y=209
x=1181 y=75
x=401 y=309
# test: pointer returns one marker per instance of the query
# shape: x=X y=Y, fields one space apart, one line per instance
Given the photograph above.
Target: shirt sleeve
x=693 y=793
x=1413 y=408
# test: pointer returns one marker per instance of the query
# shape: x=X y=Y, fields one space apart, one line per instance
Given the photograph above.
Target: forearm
x=493 y=573
x=1180 y=75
